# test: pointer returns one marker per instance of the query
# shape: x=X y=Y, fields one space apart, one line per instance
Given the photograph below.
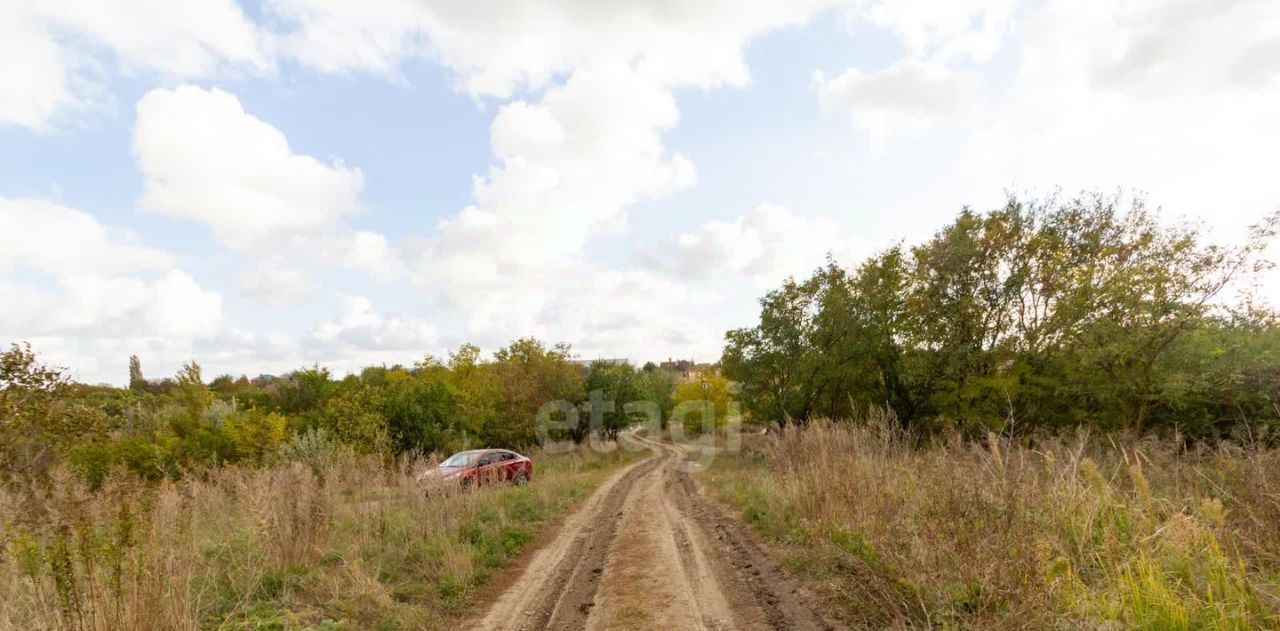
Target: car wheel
x=521 y=479
x=466 y=484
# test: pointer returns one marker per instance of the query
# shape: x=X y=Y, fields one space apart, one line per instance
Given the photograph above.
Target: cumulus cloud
x=766 y=244
x=93 y=288
x=43 y=236
x=204 y=158
x=353 y=336
x=571 y=163
x=493 y=53
x=1153 y=50
x=633 y=313
x=568 y=166
x=172 y=306
x=359 y=327
x=530 y=44
x=36 y=73
x=942 y=30
x=372 y=36
x=908 y=97
x=1178 y=98
x=53 y=54
x=274 y=282
x=178 y=38
x=367 y=251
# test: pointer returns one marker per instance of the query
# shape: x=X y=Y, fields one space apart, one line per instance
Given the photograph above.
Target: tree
x=352 y=415
x=657 y=386
x=38 y=422
x=254 y=433
x=304 y=391
x=1042 y=313
x=787 y=364
x=136 y=382
x=419 y=410
x=529 y=375
x=609 y=388
x=477 y=395
x=192 y=394
x=713 y=391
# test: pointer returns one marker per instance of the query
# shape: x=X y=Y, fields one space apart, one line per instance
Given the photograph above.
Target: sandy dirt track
x=647 y=551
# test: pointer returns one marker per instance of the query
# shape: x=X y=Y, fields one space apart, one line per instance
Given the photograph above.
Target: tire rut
x=577 y=581
x=680 y=563
x=747 y=569
x=564 y=593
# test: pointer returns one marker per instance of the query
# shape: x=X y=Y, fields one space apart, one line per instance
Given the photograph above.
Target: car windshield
x=464 y=459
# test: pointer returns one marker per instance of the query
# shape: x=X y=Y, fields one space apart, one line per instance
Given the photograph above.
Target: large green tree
x=1050 y=312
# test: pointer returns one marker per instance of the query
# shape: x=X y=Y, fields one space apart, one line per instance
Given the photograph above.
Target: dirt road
x=647 y=551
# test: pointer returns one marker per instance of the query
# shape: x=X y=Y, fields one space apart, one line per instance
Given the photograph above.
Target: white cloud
x=1178 y=99
x=632 y=313
x=767 y=244
x=204 y=158
x=54 y=53
x=908 y=97
x=1153 y=49
x=178 y=307
x=530 y=44
x=368 y=251
x=172 y=306
x=571 y=163
x=43 y=236
x=942 y=30
x=274 y=282
x=36 y=84
x=95 y=291
x=358 y=328
x=178 y=38
x=1175 y=99
x=568 y=167
x=357 y=335
x=372 y=36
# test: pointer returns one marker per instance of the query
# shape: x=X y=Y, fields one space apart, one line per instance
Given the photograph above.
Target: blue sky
x=264 y=186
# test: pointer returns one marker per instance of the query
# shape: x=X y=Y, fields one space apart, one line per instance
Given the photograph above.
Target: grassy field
x=1069 y=533
x=336 y=542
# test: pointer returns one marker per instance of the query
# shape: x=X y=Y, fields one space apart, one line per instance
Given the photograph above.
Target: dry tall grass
x=340 y=542
x=1077 y=533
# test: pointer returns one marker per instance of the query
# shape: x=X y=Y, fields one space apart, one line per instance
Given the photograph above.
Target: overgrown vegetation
x=323 y=538
x=992 y=491
x=1076 y=423
x=1048 y=314
x=278 y=503
x=167 y=428
x=1078 y=531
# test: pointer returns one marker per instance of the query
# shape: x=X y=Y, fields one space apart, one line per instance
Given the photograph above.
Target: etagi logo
x=603 y=425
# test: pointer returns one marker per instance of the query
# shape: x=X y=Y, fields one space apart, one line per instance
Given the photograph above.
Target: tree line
x=168 y=427
x=1038 y=314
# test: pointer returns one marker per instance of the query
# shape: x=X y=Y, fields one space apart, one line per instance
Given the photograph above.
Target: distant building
x=614 y=361
x=687 y=369
x=265 y=381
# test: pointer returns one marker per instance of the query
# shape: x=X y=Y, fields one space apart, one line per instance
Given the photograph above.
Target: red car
x=481 y=466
